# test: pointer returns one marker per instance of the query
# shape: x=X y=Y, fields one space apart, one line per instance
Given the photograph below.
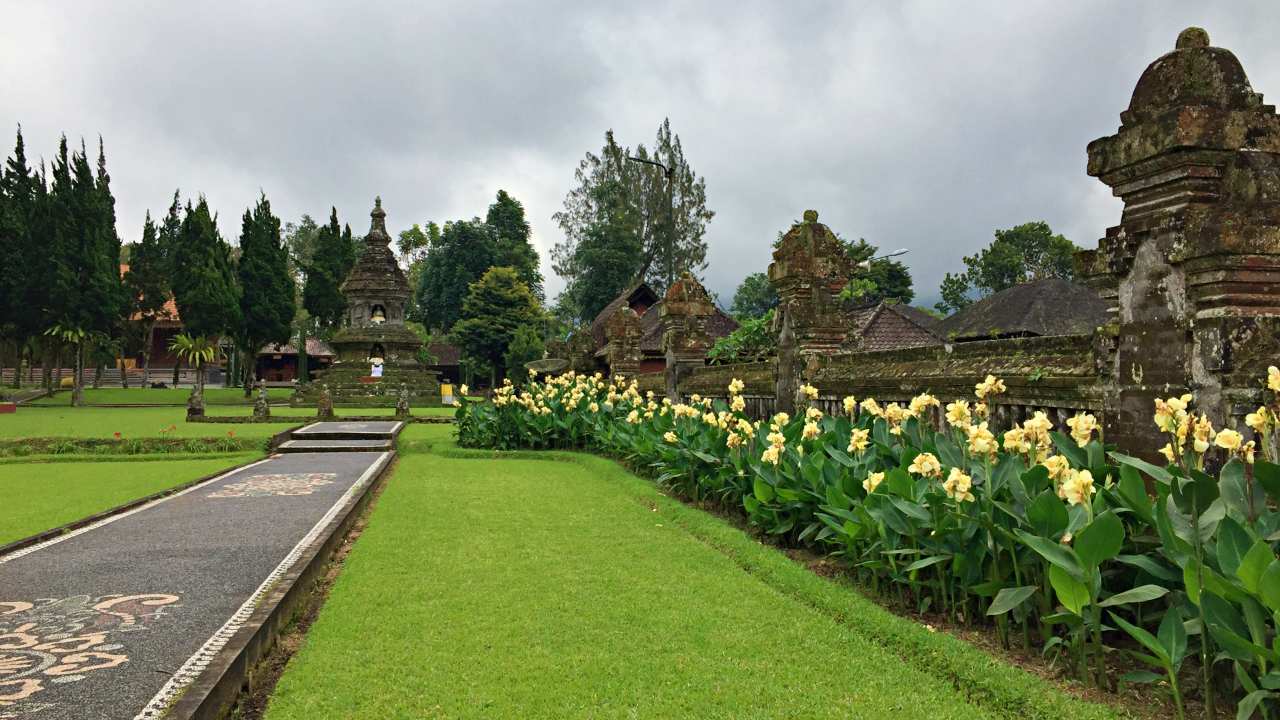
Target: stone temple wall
x=1191 y=276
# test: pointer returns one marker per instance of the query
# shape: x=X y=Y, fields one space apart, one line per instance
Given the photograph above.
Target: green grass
x=161 y=396
x=40 y=496
x=523 y=587
x=91 y=422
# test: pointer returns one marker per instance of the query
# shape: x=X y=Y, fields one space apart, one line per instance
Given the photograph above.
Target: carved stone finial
x=1192 y=37
x=378 y=228
x=811 y=216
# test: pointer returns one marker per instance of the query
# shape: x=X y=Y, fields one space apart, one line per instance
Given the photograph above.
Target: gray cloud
x=923 y=125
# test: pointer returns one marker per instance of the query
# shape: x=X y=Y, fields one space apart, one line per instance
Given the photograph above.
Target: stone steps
x=343 y=436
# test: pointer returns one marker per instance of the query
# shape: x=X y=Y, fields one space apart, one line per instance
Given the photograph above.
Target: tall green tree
x=497 y=306
x=22 y=294
x=464 y=251
x=511 y=234
x=614 y=251
x=328 y=267
x=1024 y=253
x=267 y=291
x=754 y=297
x=147 y=282
x=670 y=219
x=878 y=278
x=204 y=282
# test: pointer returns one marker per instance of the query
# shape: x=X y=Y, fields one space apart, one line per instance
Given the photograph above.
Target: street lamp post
x=669 y=173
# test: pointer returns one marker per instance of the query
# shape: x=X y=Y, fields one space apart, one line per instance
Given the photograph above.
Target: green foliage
x=512 y=246
x=526 y=346
x=330 y=261
x=465 y=250
x=754 y=339
x=268 y=293
x=497 y=306
x=1027 y=252
x=204 y=285
x=878 y=278
x=754 y=297
x=636 y=197
x=148 y=278
x=611 y=248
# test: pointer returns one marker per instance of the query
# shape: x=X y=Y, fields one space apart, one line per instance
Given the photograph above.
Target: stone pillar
x=622 y=331
x=1193 y=268
x=810 y=267
x=685 y=312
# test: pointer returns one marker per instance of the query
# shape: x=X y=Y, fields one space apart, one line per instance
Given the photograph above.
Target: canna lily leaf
x=1069 y=449
x=1140 y=594
x=1233 y=543
x=1071 y=592
x=926 y=562
x=1139 y=677
x=1158 y=474
x=1134 y=493
x=1173 y=636
x=1060 y=556
x=1268 y=476
x=1146 y=639
x=1253 y=564
x=1269 y=586
x=1250 y=703
x=1100 y=540
x=1047 y=515
x=1010 y=598
x=1151 y=566
x=762 y=490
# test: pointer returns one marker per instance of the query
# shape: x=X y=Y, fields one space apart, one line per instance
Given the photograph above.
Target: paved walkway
x=114 y=620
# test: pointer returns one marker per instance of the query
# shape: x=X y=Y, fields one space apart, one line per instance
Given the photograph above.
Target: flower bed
x=1055 y=538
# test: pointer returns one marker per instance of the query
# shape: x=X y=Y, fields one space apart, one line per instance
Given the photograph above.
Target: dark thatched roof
x=718 y=326
x=1045 y=307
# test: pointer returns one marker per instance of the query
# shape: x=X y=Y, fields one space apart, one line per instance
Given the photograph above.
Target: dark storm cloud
x=922 y=125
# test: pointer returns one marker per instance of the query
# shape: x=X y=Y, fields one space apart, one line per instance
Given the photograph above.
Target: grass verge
x=40 y=496
x=162 y=396
x=517 y=587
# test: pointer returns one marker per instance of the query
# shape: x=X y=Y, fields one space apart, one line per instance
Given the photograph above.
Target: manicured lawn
x=39 y=496
x=162 y=396
x=529 y=588
x=94 y=422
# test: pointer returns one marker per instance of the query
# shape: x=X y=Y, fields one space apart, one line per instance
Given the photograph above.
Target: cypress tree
x=167 y=234
x=497 y=306
x=148 y=284
x=511 y=234
x=321 y=293
x=267 y=299
x=25 y=292
x=204 y=284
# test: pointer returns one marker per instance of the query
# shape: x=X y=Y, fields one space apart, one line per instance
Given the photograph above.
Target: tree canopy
x=204 y=283
x=330 y=260
x=754 y=297
x=668 y=224
x=496 y=307
x=877 y=278
x=511 y=235
x=612 y=248
x=1027 y=252
x=267 y=300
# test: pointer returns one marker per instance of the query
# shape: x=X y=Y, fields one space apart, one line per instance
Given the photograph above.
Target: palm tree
x=73 y=336
x=197 y=351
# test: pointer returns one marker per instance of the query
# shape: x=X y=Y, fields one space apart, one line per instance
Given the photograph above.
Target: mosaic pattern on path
x=275 y=484
x=55 y=641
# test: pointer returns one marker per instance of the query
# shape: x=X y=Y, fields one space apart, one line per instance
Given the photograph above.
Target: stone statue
x=402 y=402
x=324 y=404
x=195 y=404
x=261 y=409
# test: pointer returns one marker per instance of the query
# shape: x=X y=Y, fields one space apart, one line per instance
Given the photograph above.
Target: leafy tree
x=877 y=278
x=612 y=248
x=465 y=251
x=497 y=305
x=22 y=301
x=754 y=297
x=526 y=346
x=300 y=238
x=204 y=283
x=1027 y=252
x=322 y=290
x=753 y=340
x=268 y=293
x=655 y=209
x=198 y=352
x=412 y=244
x=511 y=237
x=147 y=282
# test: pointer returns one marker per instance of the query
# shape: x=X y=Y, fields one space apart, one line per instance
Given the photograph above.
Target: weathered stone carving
x=623 y=349
x=810 y=267
x=1191 y=271
x=195 y=404
x=324 y=403
x=402 y=402
x=684 y=313
x=261 y=408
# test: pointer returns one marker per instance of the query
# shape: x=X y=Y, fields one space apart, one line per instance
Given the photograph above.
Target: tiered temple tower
x=377 y=293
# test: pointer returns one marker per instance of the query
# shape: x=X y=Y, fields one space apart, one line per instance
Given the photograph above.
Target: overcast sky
x=918 y=125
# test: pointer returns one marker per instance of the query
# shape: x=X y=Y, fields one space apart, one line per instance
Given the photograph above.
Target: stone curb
x=82 y=522
x=231 y=672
